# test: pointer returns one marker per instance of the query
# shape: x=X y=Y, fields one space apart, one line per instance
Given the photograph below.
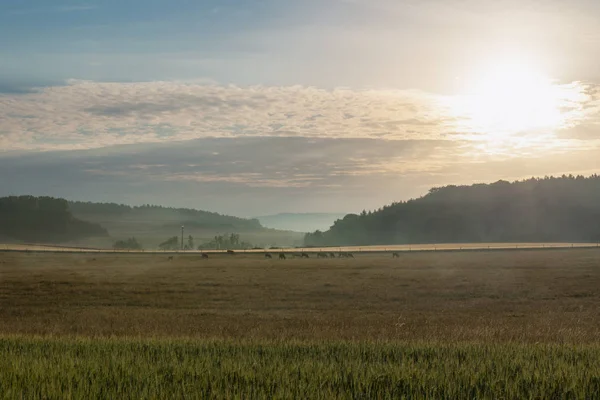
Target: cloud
x=83 y=114
x=236 y=175
x=262 y=175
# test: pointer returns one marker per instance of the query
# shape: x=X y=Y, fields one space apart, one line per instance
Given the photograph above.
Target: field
x=486 y=324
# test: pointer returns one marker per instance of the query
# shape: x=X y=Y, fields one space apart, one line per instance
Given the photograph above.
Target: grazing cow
x=321 y=255
x=304 y=255
x=170 y=258
x=331 y=255
x=204 y=255
x=268 y=255
x=281 y=256
x=395 y=255
x=231 y=252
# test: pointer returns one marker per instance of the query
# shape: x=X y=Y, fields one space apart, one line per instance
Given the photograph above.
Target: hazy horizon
x=254 y=108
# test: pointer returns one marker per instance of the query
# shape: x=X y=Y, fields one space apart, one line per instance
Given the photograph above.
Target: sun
x=509 y=98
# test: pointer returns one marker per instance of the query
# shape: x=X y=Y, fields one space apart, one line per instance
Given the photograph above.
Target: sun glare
x=509 y=99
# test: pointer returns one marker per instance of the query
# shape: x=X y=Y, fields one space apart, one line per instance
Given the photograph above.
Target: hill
x=151 y=225
x=565 y=209
x=43 y=219
x=300 y=222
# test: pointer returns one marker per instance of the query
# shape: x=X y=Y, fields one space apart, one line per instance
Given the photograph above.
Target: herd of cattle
x=283 y=256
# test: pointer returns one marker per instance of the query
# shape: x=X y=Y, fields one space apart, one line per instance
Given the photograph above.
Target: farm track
x=352 y=249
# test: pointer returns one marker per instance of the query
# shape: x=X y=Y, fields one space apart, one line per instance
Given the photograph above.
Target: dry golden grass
x=530 y=296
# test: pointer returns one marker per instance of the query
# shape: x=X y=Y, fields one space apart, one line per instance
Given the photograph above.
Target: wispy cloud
x=86 y=114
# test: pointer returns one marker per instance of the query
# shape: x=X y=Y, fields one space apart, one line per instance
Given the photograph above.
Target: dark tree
x=129 y=244
x=43 y=219
x=170 y=244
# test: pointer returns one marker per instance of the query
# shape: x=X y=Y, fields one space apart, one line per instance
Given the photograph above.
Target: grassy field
x=141 y=369
x=495 y=324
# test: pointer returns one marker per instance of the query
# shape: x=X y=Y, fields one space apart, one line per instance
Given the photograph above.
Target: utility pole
x=181 y=237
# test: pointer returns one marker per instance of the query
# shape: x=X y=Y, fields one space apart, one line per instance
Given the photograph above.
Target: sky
x=258 y=107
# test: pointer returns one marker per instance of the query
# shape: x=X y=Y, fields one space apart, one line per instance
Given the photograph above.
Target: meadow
x=486 y=324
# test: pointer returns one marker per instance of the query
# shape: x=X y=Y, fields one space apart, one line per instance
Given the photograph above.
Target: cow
x=304 y=255
x=395 y=255
x=321 y=255
x=331 y=255
x=170 y=258
x=204 y=255
x=268 y=255
x=281 y=256
x=231 y=252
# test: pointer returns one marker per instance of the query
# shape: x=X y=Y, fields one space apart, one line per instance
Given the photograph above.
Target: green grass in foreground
x=107 y=368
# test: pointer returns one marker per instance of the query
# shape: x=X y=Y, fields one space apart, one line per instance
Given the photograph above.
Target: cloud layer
x=87 y=114
x=83 y=114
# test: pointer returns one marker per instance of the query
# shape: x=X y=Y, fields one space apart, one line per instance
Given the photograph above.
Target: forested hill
x=42 y=219
x=152 y=225
x=109 y=213
x=565 y=209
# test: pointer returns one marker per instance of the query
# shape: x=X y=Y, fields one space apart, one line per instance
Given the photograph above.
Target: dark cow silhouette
x=170 y=258
x=346 y=255
x=304 y=255
x=281 y=256
x=230 y=252
x=321 y=255
x=268 y=255
x=331 y=255
x=204 y=255
x=395 y=255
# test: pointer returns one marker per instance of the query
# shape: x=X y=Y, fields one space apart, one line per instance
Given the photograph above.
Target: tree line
x=220 y=242
x=172 y=217
x=550 y=209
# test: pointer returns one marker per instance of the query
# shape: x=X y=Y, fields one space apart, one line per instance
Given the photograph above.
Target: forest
x=42 y=219
x=550 y=209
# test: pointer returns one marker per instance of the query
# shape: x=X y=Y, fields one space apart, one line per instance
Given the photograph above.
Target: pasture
x=432 y=324
x=527 y=296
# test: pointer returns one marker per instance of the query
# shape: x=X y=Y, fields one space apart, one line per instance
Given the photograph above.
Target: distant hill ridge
x=551 y=209
x=48 y=220
x=170 y=216
x=152 y=225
